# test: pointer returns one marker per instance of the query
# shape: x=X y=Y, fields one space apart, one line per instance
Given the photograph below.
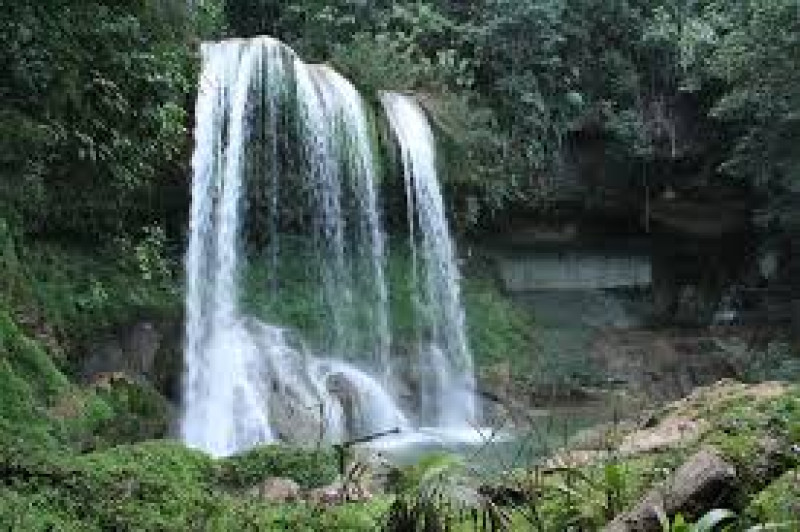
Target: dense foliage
x=94 y=116
x=96 y=101
x=516 y=85
x=97 y=95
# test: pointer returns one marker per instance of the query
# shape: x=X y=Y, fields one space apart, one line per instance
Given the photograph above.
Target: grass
x=779 y=502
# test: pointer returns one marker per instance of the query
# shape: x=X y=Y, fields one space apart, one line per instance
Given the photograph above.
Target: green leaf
x=712 y=519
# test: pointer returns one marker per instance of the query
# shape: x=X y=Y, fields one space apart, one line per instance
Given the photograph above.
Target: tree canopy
x=97 y=95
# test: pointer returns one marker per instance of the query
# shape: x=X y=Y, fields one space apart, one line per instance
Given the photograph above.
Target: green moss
x=287 y=295
x=139 y=412
x=29 y=382
x=499 y=331
x=81 y=418
x=778 y=503
x=747 y=429
x=22 y=421
x=41 y=408
x=309 y=468
x=29 y=361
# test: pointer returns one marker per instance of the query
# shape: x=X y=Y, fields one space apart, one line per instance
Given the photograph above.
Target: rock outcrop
x=149 y=349
x=704 y=482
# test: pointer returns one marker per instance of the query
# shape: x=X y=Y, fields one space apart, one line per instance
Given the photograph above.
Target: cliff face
x=662 y=219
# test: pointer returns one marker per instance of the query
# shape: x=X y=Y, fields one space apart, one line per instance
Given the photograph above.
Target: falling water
x=446 y=371
x=220 y=418
x=348 y=112
x=269 y=126
x=248 y=382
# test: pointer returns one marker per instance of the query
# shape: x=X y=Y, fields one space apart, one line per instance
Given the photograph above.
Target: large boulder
x=295 y=411
x=296 y=419
x=705 y=481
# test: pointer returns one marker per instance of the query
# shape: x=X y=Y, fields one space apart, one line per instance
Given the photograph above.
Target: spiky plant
x=438 y=494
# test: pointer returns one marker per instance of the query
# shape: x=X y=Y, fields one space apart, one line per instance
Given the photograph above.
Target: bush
x=163 y=486
x=154 y=486
x=309 y=468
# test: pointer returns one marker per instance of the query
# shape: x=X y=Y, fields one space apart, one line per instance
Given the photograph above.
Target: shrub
x=309 y=468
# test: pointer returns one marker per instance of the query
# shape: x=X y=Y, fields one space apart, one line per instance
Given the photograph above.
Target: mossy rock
x=41 y=408
x=757 y=434
x=139 y=412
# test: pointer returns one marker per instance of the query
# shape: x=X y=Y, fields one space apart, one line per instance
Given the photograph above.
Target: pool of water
x=493 y=450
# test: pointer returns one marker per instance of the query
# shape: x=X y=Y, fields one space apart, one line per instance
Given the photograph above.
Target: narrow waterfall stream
x=446 y=372
x=268 y=125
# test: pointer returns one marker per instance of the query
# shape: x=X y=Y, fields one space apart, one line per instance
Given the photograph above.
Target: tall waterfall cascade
x=273 y=133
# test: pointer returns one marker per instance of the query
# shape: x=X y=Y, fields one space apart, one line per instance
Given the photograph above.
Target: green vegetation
x=44 y=410
x=152 y=486
x=512 y=82
x=586 y=493
x=104 y=106
x=757 y=434
x=778 y=503
x=95 y=118
x=310 y=469
x=157 y=485
x=95 y=98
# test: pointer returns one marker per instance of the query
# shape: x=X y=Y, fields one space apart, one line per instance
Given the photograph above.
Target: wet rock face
x=149 y=349
x=294 y=421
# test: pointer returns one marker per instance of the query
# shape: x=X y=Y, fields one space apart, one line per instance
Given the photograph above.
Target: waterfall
x=275 y=134
x=220 y=418
x=445 y=363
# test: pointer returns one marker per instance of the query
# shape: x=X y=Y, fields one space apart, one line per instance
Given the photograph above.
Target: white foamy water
x=447 y=380
x=219 y=419
x=248 y=382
